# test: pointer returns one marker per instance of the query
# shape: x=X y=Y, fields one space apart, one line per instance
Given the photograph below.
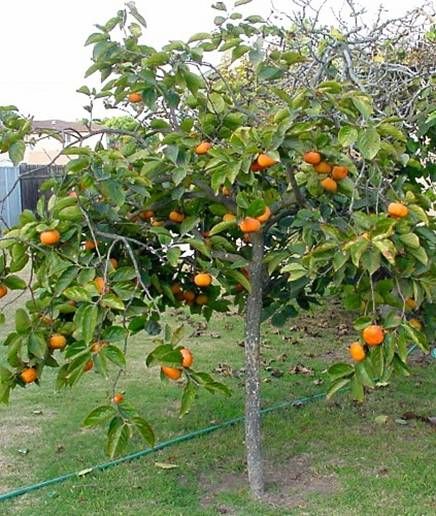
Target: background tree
x=213 y=201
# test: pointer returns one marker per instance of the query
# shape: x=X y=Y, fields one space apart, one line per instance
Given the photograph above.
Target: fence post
x=10 y=196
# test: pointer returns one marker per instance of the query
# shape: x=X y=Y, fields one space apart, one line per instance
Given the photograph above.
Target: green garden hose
x=165 y=444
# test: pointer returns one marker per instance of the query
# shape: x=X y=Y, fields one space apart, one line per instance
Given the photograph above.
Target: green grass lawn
x=322 y=458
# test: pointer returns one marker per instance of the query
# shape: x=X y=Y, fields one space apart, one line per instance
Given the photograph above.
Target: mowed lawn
x=323 y=457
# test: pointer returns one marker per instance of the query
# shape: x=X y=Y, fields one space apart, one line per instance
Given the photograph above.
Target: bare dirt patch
x=288 y=484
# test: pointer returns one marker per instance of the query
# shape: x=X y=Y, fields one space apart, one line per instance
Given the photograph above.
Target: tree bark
x=252 y=369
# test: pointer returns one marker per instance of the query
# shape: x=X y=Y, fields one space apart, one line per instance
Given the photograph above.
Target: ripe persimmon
x=410 y=303
x=29 y=375
x=134 y=97
x=265 y=215
x=50 y=237
x=189 y=296
x=3 y=291
x=266 y=161
x=203 y=148
x=226 y=191
x=171 y=372
x=89 y=365
x=176 y=288
x=188 y=358
x=339 y=172
x=249 y=225
x=176 y=216
x=398 y=210
x=97 y=346
x=255 y=167
x=100 y=284
x=117 y=398
x=203 y=279
x=329 y=184
x=357 y=352
x=323 y=168
x=229 y=217
x=146 y=214
x=312 y=157
x=89 y=245
x=57 y=341
x=373 y=335
x=416 y=323
x=201 y=300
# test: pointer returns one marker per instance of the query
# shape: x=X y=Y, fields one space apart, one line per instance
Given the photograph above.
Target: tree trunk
x=252 y=373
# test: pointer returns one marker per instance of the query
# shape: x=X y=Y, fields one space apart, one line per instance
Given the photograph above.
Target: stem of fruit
x=252 y=369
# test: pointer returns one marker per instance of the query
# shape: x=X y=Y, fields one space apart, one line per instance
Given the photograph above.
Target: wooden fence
x=20 y=189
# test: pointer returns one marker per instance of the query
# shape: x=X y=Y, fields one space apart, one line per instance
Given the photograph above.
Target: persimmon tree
x=211 y=202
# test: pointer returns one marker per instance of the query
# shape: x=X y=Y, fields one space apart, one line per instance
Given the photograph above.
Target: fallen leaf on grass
x=400 y=421
x=37 y=412
x=84 y=472
x=381 y=420
x=23 y=451
x=301 y=369
x=165 y=465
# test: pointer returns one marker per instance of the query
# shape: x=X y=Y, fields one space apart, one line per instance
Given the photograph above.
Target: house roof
x=62 y=125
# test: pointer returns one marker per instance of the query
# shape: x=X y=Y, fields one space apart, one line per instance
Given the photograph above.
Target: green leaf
x=15 y=282
x=193 y=81
x=118 y=436
x=199 y=245
x=390 y=130
x=368 y=142
x=241 y=2
x=399 y=366
x=419 y=254
x=16 y=152
x=239 y=278
x=256 y=208
x=219 y=20
x=363 y=104
x=89 y=322
x=347 y=136
x=357 y=249
x=336 y=386
x=164 y=355
x=340 y=370
x=115 y=355
x=123 y=274
x=418 y=337
x=98 y=415
x=173 y=255
x=66 y=278
x=112 y=301
x=71 y=213
x=199 y=36
x=77 y=294
x=357 y=389
x=188 y=397
x=239 y=51
x=216 y=103
x=114 y=334
x=363 y=374
x=221 y=226
x=37 y=345
x=22 y=321
x=188 y=224
x=410 y=240
x=387 y=249
x=144 y=429
x=371 y=260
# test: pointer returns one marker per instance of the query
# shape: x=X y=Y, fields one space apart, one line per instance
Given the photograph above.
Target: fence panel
x=31 y=178
x=10 y=196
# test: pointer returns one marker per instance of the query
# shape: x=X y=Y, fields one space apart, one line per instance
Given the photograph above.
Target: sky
x=43 y=59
